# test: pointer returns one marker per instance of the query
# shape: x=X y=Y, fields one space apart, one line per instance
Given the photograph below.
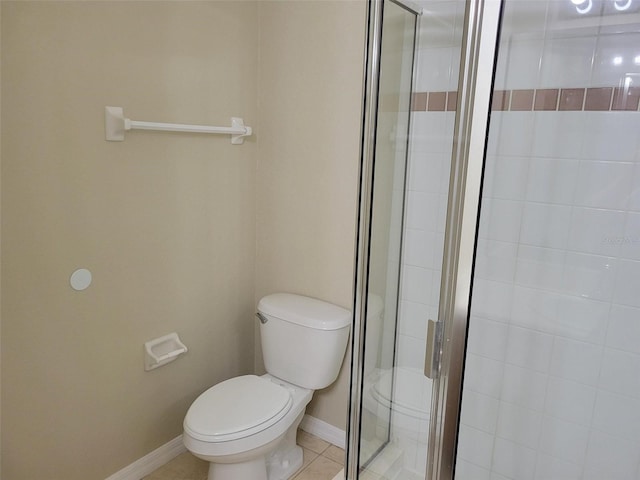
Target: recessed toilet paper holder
x=162 y=350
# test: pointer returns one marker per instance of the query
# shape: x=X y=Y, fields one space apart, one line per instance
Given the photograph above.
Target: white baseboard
x=152 y=461
x=324 y=430
x=167 y=452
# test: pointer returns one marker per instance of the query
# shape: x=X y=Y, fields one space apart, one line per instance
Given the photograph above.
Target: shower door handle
x=433 y=349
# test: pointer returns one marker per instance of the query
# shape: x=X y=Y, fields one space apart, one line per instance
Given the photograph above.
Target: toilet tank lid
x=305 y=311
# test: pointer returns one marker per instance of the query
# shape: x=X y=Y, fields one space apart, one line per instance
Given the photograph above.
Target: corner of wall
x=310 y=98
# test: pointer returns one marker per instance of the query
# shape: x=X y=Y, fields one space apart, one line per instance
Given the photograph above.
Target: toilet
x=245 y=427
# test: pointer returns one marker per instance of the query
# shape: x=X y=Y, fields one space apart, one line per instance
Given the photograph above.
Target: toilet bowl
x=246 y=426
x=258 y=413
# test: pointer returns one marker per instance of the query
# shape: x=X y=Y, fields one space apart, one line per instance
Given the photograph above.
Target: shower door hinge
x=433 y=350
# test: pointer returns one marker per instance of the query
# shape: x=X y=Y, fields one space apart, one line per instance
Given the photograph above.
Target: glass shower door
x=398 y=27
x=402 y=245
x=552 y=365
x=539 y=309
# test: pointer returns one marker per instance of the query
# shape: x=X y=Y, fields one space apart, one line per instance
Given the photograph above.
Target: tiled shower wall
x=552 y=382
x=552 y=388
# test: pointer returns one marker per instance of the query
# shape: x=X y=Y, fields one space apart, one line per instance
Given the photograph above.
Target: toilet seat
x=237 y=408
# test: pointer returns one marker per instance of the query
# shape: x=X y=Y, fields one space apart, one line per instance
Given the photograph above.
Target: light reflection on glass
x=585 y=6
x=585 y=9
x=621 y=5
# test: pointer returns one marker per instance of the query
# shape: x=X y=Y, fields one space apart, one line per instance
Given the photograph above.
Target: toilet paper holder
x=162 y=350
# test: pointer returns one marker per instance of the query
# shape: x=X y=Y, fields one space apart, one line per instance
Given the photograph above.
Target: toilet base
x=286 y=459
x=254 y=469
x=286 y=466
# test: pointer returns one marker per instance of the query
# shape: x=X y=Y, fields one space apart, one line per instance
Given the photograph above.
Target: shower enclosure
x=498 y=270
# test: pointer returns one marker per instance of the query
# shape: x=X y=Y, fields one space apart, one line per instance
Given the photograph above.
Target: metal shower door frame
x=475 y=88
x=371 y=78
x=479 y=50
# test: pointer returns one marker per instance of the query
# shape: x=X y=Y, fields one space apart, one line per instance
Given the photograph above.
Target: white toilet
x=246 y=426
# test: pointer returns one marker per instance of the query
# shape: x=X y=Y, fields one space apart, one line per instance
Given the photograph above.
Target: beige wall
x=165 y=222
x=182 y=232
x=307 y=177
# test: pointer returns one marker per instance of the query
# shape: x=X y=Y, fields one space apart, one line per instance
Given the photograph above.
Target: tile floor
x=321 y=461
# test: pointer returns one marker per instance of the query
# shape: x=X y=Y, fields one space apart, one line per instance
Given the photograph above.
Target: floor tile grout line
x=301 y=472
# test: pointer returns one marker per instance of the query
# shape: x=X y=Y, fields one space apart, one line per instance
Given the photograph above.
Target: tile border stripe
x=588 y=99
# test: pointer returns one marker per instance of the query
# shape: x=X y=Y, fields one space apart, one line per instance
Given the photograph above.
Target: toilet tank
x=303 y=339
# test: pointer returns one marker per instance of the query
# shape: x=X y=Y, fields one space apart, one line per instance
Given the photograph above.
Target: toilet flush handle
x=261 y=317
